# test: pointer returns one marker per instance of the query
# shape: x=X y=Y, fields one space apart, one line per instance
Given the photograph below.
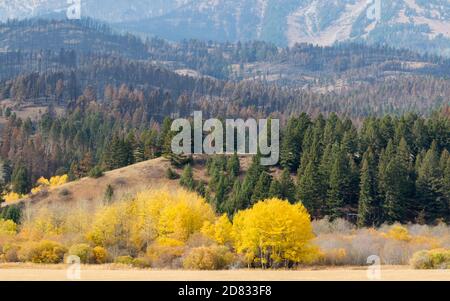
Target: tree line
x=388 y=169
x=392 y=169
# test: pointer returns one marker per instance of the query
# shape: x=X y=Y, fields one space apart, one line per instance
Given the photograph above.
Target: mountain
x=105 y=10
x=84 y=35
x=40 y=44
x=415 y=24
x=419 y=25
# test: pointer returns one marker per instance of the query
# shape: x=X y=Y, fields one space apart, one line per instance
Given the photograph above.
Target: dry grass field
x=29 y=272
x=125 y=181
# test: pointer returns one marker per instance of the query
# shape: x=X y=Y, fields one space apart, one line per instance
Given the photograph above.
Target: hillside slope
x=125 y=182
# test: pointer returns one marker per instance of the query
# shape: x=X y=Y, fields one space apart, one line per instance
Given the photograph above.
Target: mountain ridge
x=415 y=24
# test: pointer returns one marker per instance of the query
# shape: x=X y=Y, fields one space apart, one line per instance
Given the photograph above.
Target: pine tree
x=111 y=157
x=428 y=186
x=13 y=213
x=444 y=159
x=323 y=175
x=221 y=193
x=233 y=202
x=5 y=172
x=187 y=178
x=291 y=144
x=261 y=191
x=446 y=186
x=350 y=141
x=289 y=151
x=287 y=186
x=367 y=194
x=338 y=184
x=352 y=180
x=201 y=188
x=165 y=138
x=233 y=165
x=216 y=174
x=394 y=198
x=397 y=183
x=249 y=183
x=138 y=153
x=386 y=156
x=307 y=189
x=20 y=180
x=275 y=189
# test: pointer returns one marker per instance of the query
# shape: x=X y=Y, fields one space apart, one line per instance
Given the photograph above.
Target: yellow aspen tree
x=273 y=233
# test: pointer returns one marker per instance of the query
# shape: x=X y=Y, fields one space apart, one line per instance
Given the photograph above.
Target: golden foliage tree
x=151 y=216
x=274 y=233
x=220 y=231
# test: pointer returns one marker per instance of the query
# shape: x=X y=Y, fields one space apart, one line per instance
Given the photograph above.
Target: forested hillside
x=390 y=169
x=366 y=130
x=26 y=41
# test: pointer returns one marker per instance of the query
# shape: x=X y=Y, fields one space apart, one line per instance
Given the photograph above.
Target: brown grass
x=125 y=181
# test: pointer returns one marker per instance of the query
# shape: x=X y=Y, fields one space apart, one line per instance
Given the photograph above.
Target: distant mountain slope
x=416 y=24
x=38 y=66
x=107 y=10
x=39 y=45
x=84 y=36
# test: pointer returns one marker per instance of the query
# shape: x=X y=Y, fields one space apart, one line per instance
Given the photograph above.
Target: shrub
x=141 y=262
x=333 y=257
x=13 y=197
x=398 y=232
x=432 y=259
x=171 y=175
x=13 y=213
x=109 y=193
x=84 y=251
x=100 y=255
x=396 y=252
x=208 y=258
x=440 y=258
x=96 y=172
x=421 y=260
x=8 y=227
x=337 y=226
x=42 y=252
x=58 y=180
x=10 y=253
x=64 y=192
x=164 y=253
x=357 y=247
x=128 y=260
